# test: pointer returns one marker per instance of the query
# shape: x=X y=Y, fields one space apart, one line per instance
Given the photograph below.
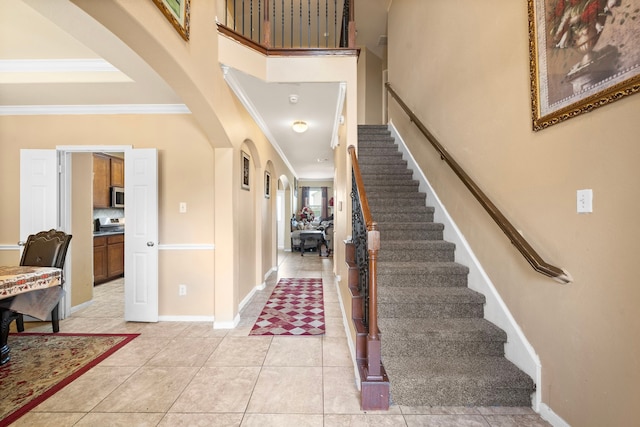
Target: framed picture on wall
x=245 y=167
x=177 y=12
x=583 y=54
x=267 y=184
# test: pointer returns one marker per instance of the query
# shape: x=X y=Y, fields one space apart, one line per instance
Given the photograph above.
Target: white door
x=141 y=235
x=38 y=191
x=39 y=175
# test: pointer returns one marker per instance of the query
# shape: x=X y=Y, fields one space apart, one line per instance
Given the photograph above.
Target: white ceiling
x=59 y=60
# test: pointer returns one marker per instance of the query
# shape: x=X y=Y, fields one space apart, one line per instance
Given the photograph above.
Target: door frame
x=65 y=194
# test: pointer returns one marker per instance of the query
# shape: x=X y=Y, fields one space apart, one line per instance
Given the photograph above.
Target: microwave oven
x=117 y=197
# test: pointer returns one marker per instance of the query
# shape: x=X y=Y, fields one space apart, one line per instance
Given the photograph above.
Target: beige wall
x=369 y=88
x=81 y=251
x=185 y=175
x=463 y=68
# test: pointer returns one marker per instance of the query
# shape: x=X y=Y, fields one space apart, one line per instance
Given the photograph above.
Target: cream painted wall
x=471 y=89
x=184 y=175
x=81 y=250
x=369 y=88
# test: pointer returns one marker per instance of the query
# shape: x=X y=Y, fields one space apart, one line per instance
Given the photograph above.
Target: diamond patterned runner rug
x=295 y=307
x=42 y=364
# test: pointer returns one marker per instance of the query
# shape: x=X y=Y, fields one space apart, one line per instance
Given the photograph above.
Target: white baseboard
x=80 y=306
x=551 y=417
x=345 y=323
x=186 y=318
x=227 y=325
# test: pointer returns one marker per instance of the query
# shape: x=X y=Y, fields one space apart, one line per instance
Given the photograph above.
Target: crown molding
x=43 y=110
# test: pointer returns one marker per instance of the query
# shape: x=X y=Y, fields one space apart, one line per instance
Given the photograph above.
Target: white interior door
x=38 y=191
x=141 y=235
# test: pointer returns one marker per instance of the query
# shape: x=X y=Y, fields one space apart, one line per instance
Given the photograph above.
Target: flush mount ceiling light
x=299 y=126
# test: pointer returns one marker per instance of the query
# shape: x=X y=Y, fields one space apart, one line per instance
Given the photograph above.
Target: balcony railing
x=293 y=24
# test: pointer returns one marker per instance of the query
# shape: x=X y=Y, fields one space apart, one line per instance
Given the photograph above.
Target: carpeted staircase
x=436 y=347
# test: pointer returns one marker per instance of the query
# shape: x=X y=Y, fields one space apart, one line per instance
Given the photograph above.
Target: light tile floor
x=188 y=374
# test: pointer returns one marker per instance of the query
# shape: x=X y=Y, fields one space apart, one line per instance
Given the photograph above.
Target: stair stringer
x=518 y=350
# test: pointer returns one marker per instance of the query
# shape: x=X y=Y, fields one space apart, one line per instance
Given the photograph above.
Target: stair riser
x=429 y=311
x=388 y=190
x=417 y=212
x=442 y=394
x=378 y=149
x=407 y=235
x=383 y=169
x=439 y=348
x=422 y=280
x=386 y=255
x=375 y=162
x=404 y=202
x=391 y=218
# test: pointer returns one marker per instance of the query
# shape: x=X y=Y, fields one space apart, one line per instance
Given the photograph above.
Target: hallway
x=187 y=374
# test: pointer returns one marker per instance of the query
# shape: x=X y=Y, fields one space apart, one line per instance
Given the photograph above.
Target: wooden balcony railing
x=362 y=258
x=293 y=24
x=534 y=259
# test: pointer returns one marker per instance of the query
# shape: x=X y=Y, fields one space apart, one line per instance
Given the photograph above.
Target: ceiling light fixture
x=299 y=126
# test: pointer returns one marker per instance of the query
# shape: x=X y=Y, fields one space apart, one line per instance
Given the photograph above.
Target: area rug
x=295 y=307
x=42 y=364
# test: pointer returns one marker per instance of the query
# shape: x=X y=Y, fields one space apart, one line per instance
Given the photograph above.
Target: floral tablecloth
x=16 y=280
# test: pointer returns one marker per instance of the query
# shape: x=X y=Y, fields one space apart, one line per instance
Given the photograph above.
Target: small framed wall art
x=245 y=167
x=267 y=184
x=177 y=12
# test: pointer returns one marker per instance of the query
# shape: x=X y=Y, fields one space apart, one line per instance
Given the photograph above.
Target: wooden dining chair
x=45 y=249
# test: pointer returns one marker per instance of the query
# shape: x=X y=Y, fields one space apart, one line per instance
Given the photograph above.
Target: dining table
x=28 y=290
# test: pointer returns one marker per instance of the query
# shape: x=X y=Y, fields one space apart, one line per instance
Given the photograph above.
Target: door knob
x=150 y=244
x=21 y=243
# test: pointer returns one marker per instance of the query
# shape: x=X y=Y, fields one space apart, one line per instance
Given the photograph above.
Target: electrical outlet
x=182 y=290
x=183 y=207
x=585 y=201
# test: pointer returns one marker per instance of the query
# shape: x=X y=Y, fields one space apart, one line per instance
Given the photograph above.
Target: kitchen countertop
x=107 y=233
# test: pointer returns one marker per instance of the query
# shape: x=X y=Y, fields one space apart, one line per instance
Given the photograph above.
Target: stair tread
x=428 y=295
x=473 y=369
x=467 y=329
x=426 y=266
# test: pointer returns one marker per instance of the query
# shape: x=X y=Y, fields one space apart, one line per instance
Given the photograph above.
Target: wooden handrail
x=532 y=257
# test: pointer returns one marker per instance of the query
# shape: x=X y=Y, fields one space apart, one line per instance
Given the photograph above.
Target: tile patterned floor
x=188 y=374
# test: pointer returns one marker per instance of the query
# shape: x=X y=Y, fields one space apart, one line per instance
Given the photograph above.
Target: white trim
x=187 y=247
x=9 y=247
x=43 y=110
x=554 y=419
x=80 y=306
x=266 y=276
x=336 y=121
x=345 y=323
x=238 y=89
x=517 y=348
x=98 y=65
x=186 y=318
x=246 y=299
x=227 y=325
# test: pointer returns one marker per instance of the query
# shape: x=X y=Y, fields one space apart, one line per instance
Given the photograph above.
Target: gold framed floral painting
x=583 y=54
x=177 y=12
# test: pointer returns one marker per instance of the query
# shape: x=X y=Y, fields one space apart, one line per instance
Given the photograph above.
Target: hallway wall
x=463 y=67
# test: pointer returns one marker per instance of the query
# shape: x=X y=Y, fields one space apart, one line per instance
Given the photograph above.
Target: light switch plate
x=585 y=201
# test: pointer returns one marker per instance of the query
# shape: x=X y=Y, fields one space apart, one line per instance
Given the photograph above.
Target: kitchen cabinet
x=117 y=172
x=101 y=181
x=108 y=171
x=108 y=257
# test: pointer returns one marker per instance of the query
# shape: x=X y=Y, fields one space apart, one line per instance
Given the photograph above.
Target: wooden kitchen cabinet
x=117 y=172
x=108 y=257
x=108 y=171
x=101 y=181
x=115 y=255
x=99 y=259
